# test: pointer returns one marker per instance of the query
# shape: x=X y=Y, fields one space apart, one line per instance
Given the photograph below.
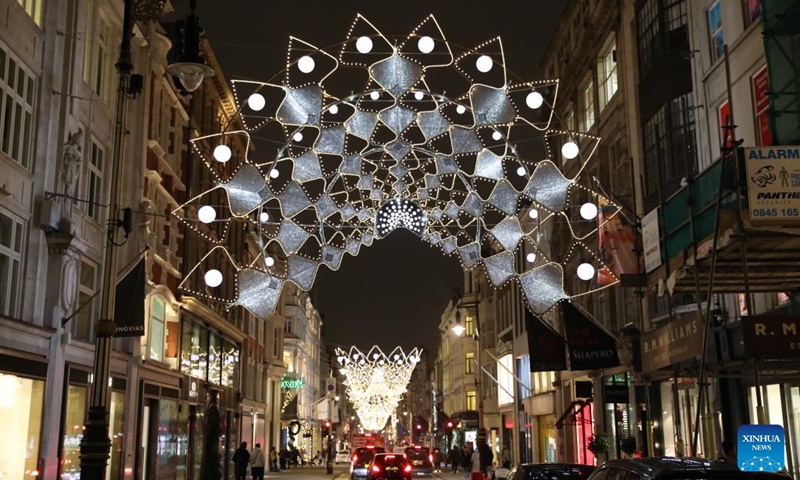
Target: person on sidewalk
x=241 y=459
x=455 y=459
x=475 y=472
x=257 y=463
x=273 y=459
x=466 y=461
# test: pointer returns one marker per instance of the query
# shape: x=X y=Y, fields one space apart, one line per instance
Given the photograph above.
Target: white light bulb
x=484 y=63
x=306 y=64
x=419 y=95
x=533 y=213
x=334 y=109
x=263 y=217
x=274 y=173
x=585 y=271
x=461 y=109
x=588 y=211
x=569 y=150
x=531 y=257
x=206 y=214
x=364 y=44
x=425 y=44
x=521 y=171
x=213 y=278
x=497 y=135
x=298 y=137
x=534 y=100
x=257 y=102
x=222 y=153
x=270 y=261
x=375 y=95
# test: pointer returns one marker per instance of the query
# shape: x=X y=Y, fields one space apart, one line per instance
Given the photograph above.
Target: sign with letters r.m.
x=760 y=448
x=771 y=336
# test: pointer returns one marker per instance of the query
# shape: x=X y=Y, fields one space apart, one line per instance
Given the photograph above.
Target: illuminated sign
x=291 y=383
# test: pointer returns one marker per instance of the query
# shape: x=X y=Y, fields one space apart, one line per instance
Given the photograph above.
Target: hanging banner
x=591 y=347
x=651 y=241
x=129 y=303
x=547 y=348
x=773 y=184
x=616 y=244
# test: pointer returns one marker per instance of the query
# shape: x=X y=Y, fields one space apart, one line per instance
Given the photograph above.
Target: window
x=155 y=343
x=11 y=235
x=98 y=67
x=276 y=343
x=33 y=8
x=287 y=325
x=752 y=11
x=682 y=138
x=655 y=150
x=505 y=380
x=87 y=303
x=472 y=404
x=94 y=181
x=607 y=72
x=469 y=326
x=647 y=27
x=469 y=362
x=569 y=119
x=716 y=38
x=17 y=93
x=677 y=15
x=587 y=97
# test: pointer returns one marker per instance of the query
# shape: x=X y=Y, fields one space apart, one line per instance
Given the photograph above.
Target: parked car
x=342 y=456
x=671 y=468
x=551 y=471
x=362 y=457
x=389 y=466
x=421 y=460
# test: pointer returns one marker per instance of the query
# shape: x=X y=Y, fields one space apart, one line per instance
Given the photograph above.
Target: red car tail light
x=430 y=458
x=355 y=459
x=376 y=469
x=407 y=468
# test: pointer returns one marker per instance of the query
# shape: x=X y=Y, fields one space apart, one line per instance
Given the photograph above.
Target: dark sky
x=394 y=292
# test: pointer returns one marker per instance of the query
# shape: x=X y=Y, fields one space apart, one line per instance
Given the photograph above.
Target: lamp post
x=459 y=329
x=191 y=69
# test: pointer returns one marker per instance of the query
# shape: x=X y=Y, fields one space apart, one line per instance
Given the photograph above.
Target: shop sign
x=773 y=184
x=547 y=348
x=591 y=347
x=291 y=383
x=615 y=393
x=651 y=241
x=773 y=336
x=672 y=343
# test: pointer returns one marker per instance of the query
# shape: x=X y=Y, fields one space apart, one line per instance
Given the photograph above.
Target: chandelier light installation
x=376 y=381
x=403 y=151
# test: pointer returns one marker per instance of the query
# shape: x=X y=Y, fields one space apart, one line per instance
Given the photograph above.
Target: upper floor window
x=469 y=326
x=94 y=181
x=33 y=8
x=98 y=66
x=587 y=105
x=471 y=401
x=469 y=362
x=11 y=238
x=158 y=311
x=87 y=302
x=648 y=28
x=607 y=72
x=288 y=325
x=752 y=11
x=17 y=94
x=716 y=38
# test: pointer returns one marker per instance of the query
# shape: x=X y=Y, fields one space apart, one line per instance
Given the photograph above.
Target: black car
x=671 y=468
x=420 y=459
x=389 y=466
x=551 y=471
x=362 y=458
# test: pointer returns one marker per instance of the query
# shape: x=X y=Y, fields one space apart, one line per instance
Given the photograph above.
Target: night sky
x=394 y=292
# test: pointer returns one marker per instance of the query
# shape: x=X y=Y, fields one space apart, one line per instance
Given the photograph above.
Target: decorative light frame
x=451 y=163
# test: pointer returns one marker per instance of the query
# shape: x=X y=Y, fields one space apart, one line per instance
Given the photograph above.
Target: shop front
x=543 y=426
x=22 y=386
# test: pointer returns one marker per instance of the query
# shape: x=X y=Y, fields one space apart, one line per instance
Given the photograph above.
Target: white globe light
x=569 y=150
x=222 y=153
x=425 y=44
x=588 y=211
x=298 y=137
x=257 y=102
x=484 y=63
x=274 y=173
x=521 y=171
x=533 y=213
x=375 y=95
x=270 y=261
x=263 y=217
x=364 y=44
x=306 y=64
x=497 y=135
x=419 y=95
x=585 y=271
x=334 y=109
x=534 y=100
x=461 y=109
x=213 y=278
x=206 y=214
x=531 y=257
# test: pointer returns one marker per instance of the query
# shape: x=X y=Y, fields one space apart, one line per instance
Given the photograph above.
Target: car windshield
x=417 y=453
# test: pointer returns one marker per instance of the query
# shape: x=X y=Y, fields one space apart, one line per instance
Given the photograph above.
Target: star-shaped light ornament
x=357 y=162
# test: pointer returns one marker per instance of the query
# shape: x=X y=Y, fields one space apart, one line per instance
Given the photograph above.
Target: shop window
x=33 y=8
x=230 y=365
x=607 y=72
x=587 y=105
x=116 y=421
x=16 y=109
x=715 y=31
x=11 y=235
x=471 y=401
x=469 y=362
x=156 y=327
x=88 y=303
x=21 y=402
x=74 y=419
x=194 y=349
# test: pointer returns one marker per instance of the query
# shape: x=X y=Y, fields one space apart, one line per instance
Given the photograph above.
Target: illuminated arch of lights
x=367 y=138
x=376 y=381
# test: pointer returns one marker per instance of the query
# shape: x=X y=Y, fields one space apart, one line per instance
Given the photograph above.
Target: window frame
x=95 y=180
x=750 y=17
x=716 y=33
x=11 y=282
x=34 y=10
x=606 y=75
x=17 y=101
x=588 y=117
x=99 y=43
x=471 y=400
x=83 y=323
x=153 y=320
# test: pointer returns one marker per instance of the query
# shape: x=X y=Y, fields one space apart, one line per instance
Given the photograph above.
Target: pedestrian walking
x=455 y=458
x=437 y=459
x=241 y=459
x=475 y=472
x=466 y=461
x=273 y=459
x=257 y=463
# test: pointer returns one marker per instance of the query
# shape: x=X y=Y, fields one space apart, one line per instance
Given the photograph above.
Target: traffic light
x=419 y=427
x=449 y=425
x=326 y=429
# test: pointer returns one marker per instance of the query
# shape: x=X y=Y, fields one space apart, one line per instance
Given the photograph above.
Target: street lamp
x=191 y=69
x=457 y=327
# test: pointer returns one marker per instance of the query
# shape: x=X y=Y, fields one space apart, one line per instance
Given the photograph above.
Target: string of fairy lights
x=396 y=152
